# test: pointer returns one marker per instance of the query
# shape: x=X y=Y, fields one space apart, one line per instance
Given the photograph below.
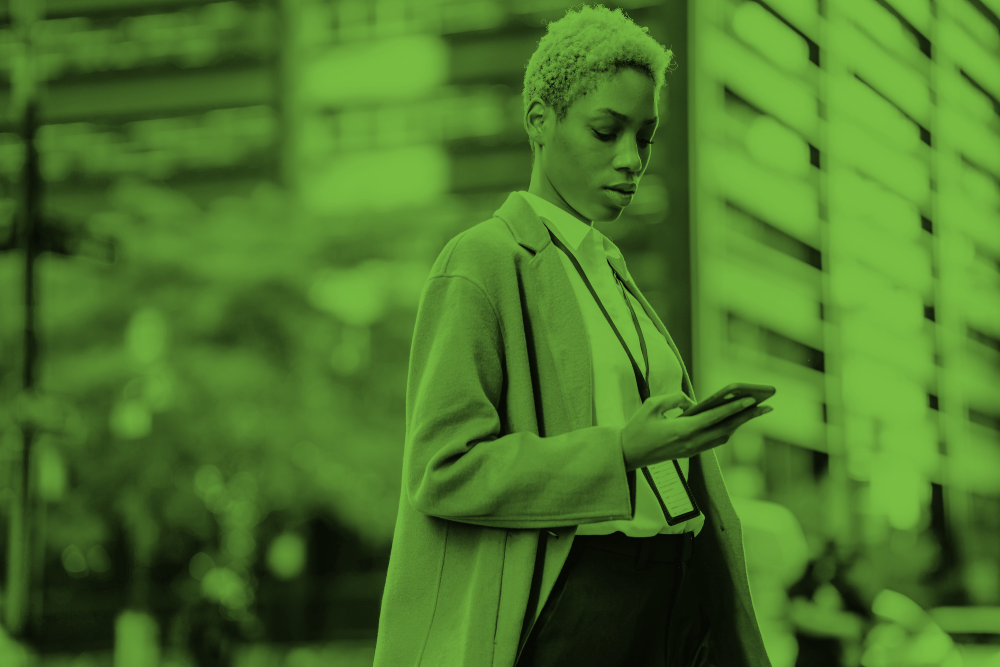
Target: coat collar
x=572 y=230
x=531 y=231
x=587 y=243
x=527 y=228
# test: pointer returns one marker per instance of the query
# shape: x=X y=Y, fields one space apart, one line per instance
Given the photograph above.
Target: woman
x=538 y=381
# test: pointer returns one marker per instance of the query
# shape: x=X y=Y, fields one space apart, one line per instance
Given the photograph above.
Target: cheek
x=581 y=155
x=569 y=155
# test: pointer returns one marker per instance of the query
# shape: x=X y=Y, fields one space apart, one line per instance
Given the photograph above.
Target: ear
x=535 y=119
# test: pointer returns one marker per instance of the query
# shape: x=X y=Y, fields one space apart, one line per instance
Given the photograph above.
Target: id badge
x=672 y=491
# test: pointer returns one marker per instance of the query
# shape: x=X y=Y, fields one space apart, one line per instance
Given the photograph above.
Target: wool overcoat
x=502 y=462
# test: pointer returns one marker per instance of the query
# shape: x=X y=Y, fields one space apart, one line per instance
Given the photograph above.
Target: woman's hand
x=649 y=438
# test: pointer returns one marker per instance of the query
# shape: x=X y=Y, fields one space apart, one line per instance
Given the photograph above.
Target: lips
x=624 y=188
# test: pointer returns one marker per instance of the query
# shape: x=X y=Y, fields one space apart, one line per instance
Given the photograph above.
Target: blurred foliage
x=218 y=374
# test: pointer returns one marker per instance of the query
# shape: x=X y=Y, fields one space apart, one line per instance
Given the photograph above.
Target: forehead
x=628 y=93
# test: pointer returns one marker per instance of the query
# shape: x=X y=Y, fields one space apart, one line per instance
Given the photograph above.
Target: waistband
x=659 y=548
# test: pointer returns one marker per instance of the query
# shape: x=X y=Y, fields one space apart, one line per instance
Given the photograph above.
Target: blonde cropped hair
x=585 y=48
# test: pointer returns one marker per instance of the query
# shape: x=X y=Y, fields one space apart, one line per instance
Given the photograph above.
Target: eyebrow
x=622 y=117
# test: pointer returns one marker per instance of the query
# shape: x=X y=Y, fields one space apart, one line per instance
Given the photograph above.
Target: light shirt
x=615 y=395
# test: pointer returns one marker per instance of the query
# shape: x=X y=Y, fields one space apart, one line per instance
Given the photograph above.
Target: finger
x=721 y=413
x=733 y=422
x=726 y=426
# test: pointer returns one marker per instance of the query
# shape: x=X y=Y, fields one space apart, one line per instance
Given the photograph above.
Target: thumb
x=678 y=400
x=668 y=402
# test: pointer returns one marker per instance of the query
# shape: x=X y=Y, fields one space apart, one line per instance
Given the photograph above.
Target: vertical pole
x=840 y=512
x=279 y=173
x=23 y=111
x=286 y=73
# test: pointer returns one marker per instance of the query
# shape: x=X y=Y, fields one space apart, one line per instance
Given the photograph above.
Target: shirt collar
x=581 y=237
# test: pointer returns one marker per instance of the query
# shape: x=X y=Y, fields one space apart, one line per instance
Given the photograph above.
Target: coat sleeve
x=456 y=463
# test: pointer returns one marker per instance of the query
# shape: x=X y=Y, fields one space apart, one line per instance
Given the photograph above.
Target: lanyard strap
x=682 y=514
x=641 y=382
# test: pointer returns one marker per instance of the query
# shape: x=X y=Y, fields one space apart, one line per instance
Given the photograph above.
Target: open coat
x=501 y=463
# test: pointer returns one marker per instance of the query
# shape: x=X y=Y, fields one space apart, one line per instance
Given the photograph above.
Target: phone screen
x=733 y=392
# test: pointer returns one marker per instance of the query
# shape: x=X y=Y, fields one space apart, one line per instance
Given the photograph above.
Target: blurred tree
x=204 y=385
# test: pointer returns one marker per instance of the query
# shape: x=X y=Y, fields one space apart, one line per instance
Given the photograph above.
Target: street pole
x=18 y=598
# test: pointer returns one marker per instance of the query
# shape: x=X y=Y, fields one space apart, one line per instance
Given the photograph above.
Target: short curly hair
x=585 y=48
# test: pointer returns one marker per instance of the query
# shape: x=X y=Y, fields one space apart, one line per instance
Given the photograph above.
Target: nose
x=628 y=157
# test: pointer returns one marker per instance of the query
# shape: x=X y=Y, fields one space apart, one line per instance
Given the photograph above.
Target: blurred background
x=216 y=219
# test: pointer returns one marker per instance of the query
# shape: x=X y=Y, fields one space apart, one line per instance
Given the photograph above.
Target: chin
x=608 y=217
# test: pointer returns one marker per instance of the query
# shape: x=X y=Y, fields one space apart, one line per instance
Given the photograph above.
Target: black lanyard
x=641 y=382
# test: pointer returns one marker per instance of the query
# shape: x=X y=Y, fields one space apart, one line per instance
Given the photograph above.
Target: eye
x=607 y=137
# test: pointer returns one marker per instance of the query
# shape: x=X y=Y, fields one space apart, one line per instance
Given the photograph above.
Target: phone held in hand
x=733 y=392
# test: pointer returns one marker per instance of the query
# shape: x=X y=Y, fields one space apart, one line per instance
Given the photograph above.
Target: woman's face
x=577 y=160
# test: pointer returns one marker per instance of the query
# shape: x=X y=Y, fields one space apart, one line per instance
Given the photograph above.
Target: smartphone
x=733 y=392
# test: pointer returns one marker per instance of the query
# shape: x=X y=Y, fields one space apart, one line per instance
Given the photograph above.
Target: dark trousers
x=611 y=603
